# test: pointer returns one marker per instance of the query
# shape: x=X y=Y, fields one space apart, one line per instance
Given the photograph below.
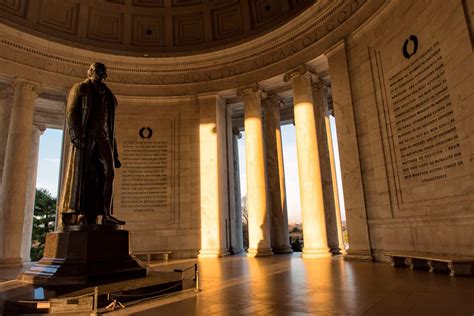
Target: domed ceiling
x=150 y=27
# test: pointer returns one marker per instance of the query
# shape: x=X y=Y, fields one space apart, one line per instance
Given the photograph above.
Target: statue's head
x=97 y=72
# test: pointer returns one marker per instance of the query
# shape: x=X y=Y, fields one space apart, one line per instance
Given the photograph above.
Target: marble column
x=38 y=130
x=15 y=174
x=312 y=201
x=213 y=179
x=328 y=174
x=6 y=99
x=239 y=242
x=257 y=203
x=276 y=176
x=354 y=199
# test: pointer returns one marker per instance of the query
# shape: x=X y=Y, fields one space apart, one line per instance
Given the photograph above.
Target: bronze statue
x=88 y=187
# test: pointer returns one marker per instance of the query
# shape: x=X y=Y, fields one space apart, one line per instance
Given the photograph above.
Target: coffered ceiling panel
x=62 y=16
x=150 y=27
x=227 y=22
x=264 y=11
x=16 y=7
x=148 y=30
x=188 y=29
x=105 y=26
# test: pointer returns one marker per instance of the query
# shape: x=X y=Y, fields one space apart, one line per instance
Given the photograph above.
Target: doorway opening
x=47 y=191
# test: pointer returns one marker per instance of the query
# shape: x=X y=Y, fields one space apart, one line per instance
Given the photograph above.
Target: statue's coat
x=79 y=194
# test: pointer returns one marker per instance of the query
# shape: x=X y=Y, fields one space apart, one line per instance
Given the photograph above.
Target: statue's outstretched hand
x=117 y=163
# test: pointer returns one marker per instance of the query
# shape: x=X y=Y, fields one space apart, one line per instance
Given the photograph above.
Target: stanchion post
x=196 y=277
x=96 y=299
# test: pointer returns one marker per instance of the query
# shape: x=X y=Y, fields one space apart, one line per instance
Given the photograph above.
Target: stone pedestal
x=84 y=254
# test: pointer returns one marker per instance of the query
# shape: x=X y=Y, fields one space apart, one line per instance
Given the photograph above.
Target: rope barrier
x=145 y=294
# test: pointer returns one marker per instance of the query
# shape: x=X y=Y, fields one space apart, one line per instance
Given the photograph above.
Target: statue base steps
x=84 y=254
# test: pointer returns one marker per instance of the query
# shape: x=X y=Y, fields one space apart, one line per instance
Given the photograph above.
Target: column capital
x=6 y=91
x=253 y=88
x=40 y=127
x=236 y=132
x=318 y=84
x=298 y=71
x=272 y=98
x=35 y=86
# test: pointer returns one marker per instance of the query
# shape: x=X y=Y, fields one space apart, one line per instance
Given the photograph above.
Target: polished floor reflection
x=288 y=285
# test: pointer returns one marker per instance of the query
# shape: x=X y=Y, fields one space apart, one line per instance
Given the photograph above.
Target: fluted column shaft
x=258 y=217
x=276 y=176
x=38 y=130
x=328 y=172
x=15 y=174
x=312 y=201
x=6 y=99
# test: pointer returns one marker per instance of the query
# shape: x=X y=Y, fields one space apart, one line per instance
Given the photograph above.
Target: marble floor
x=288 y=285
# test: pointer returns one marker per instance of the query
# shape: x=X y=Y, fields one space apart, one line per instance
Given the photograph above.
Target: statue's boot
x=109 y=219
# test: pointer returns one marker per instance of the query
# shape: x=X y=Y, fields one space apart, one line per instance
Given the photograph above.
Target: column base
x=364 y=255
x=316 y=253
x=212 y=253
x=237 y=251
x=282 y=249
x=336 y=250
x=11 y=263
x=260 y=252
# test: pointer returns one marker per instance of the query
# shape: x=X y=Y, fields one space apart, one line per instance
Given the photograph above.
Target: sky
x=50 y=153
x=49 y=159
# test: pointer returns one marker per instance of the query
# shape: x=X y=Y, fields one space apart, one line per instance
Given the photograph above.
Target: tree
x=245 y=222
x=296 y=245
x=44 y=218
x=296 y=229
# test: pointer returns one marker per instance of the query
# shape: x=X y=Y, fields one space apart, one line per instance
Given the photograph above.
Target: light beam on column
x=257 y=203
x=312 y=202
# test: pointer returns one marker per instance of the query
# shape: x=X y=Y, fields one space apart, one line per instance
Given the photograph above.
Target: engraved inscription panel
x=145 y=185
x=145 y=180
x=426 y=136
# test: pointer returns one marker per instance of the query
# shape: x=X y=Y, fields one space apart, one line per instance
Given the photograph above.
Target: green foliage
x=245 y=222
x=296 y=229
x=43 y=222
x=296 y=245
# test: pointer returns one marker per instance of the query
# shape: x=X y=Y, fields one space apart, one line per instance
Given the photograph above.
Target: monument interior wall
x=157 y=188
x=401 y=76
x=412 y=73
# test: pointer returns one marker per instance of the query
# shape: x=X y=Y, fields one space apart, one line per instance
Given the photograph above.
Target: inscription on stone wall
x=428 y=141
x=145 y=182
